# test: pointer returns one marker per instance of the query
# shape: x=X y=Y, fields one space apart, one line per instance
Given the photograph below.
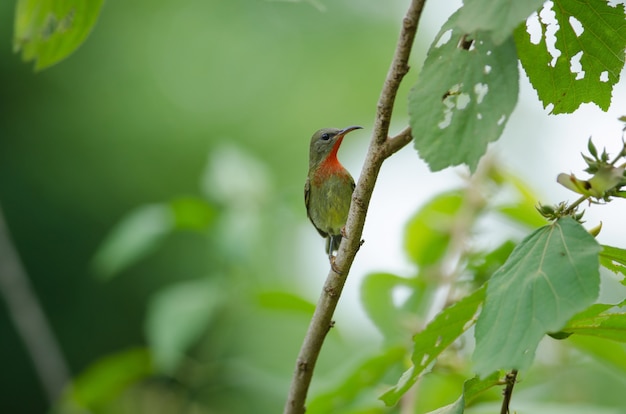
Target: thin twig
x=380 y=148
x=575 y=204
x=398 y=142
x=450 y=266
x=510 y=380
x=30 y=319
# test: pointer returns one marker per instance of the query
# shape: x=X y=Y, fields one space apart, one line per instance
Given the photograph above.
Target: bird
x=328 y=188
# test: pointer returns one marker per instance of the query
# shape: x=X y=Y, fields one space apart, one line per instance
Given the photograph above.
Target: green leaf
x=551 y=275
x=598 y=49
x=142 y=230
x=434 y=339
x=368 y=374
x=614 y=259
x=471 y=389
x=177 y=317
x=596 y=321
x=49 y=30
x=377 y=298
x=592 y=148
x=522 y=211
x=138 y=234
x=192 y=213
x=463 y=97
x=522 y=214
x=285 y=301
x=498 y=17
x=611 y=353
x=591 y=311
x=104 y=380
x=428 y=232
x=483 y=266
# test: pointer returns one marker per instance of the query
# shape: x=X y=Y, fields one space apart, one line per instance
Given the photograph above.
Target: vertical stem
x=510 y=379
x=30 y=319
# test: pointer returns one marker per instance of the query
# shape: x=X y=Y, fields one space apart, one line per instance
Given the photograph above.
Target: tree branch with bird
x=381 y=147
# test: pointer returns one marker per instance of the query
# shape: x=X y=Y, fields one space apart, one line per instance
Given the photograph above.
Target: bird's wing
x=307 y=194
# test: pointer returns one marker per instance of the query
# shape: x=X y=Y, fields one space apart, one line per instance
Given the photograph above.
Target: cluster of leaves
x=529 y=295
x=468 y=86
x=513 y=295
x=465 y=94
x=544 y=285
x=180 y=314
x=606 y=183
x=177 y=316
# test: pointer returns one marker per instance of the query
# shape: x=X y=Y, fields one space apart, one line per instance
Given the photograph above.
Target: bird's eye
x=325 y=136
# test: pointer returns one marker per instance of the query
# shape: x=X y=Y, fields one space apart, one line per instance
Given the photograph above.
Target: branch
x=381 y=147
x=510 y=379
x=572 y=208
x=398 y=142
x=30 y=320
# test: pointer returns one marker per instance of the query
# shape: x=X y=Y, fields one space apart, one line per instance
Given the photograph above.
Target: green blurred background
x=203 y=109
x=161 y=95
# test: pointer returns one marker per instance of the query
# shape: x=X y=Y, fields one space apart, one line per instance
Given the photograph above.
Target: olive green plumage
x=329 y=186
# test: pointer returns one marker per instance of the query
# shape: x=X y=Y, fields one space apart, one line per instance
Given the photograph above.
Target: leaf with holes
x=587 y=57
x=48 y=30
x=614 y=259
x=499 y=17
x=550 y=276
x=463 y=97
x=434 y=339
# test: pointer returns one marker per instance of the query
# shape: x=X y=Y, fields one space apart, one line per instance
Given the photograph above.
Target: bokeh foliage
x=190 y=117
x=193 y=116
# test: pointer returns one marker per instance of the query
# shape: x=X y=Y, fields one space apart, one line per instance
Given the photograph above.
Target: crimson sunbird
x=329 y=186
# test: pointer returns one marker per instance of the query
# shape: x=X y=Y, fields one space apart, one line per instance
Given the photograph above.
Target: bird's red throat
x=331 y=164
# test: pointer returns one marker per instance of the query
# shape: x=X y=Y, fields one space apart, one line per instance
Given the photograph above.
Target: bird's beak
x=348 y=129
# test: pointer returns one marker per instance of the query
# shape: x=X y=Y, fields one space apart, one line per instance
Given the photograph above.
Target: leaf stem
x=509 y=380
x=575 y=204
x=381 y=147
x=621 y=154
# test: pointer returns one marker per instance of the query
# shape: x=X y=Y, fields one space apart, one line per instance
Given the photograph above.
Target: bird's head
x=325 y=143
